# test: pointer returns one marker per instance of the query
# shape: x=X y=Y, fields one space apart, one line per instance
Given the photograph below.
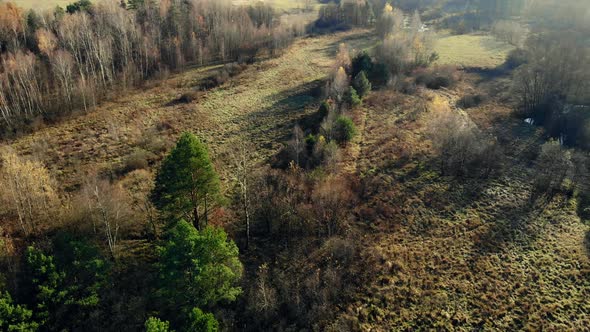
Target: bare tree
x=46 y=41
x=243 y=168
x=107 y=208
x=263 y=300
x=297 y=144
x=390 y=22
x=343 y=57
x=138 y=185
x=89 y=53
x=460 y=146
x=12 y=23
x=21 y=84
x=510 y=31
x=330 y=199
x=62 y=65
x=339 y=85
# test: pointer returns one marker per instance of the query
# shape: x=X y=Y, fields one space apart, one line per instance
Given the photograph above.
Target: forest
x=294 y=165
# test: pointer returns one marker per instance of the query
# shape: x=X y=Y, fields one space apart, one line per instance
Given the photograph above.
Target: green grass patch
x=471 y=50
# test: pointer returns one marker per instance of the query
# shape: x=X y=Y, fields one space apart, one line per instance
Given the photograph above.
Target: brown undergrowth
x=461 y=253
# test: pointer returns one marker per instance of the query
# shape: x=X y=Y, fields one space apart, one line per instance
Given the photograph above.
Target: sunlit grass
x=42 y=4
x=281 y=5
x=471 y=50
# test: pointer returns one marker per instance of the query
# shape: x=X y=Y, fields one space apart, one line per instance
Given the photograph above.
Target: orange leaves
x=11 y=18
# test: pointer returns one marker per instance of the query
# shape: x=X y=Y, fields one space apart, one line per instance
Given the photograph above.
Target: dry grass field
x=42 y=4
x=260 y=105
x=467 y=254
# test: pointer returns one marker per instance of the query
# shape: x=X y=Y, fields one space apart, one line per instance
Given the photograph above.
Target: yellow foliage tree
x=340 y=84
x=27 y=189
x=388 y=8
x=46 y=41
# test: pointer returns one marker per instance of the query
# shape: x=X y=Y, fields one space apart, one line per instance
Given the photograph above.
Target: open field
x=482 y=51
x=259 y=105
x=42 y=4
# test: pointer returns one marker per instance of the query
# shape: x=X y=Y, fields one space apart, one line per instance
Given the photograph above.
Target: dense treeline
x=55 y=62
x=345 y=14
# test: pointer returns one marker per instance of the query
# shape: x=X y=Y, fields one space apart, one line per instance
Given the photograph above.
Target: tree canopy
x=198 y=268
x=186 y=184
x=14 y=317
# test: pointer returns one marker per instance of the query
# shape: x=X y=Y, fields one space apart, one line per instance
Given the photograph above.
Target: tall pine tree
x=186 y=184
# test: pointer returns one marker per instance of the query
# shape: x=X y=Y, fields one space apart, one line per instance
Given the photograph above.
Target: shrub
x=221 y=77
x=361 y=84
x=437 y=78
x=154 y=143
x=352 y=97
x=324 y=109
x=379 y=75
x=234 y=69
x=344 y=129
x=403 y=84
x=154 y=324
x=138 y=159
x=470 y=101
x=199 y=321
x=362 y=63
x=516 y=58
x=310 y=141
x=188 y=97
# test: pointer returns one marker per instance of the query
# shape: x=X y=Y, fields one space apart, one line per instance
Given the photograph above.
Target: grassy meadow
x=482 y=51
x=259 y=105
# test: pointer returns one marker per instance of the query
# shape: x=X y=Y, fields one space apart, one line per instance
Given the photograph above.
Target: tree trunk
x=196 y=218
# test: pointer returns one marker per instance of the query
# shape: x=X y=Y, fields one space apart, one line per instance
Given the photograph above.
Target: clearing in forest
x=262 y=105
x=482 y=51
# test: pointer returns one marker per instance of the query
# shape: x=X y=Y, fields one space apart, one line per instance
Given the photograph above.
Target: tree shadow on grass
x=429 y=204
x=487 y=74
x=270 y=127
x=519 y=225
x=357 y=42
